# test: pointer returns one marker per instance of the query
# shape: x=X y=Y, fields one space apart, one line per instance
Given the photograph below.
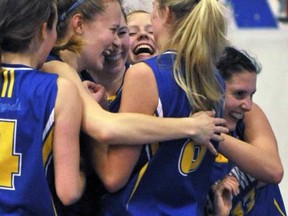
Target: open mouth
x=236 y=116
x=107 y=52
x=113 y=57
x=144 y=49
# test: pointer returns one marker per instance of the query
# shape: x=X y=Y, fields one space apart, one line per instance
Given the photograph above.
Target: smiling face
x=239 y=92
x=99 y=35
x=142 y=41
x=115 y=62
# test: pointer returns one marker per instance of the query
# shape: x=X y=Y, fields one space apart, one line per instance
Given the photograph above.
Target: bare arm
x=69 y=181
x=259 y=148
x=126 y=128
x=114 y=164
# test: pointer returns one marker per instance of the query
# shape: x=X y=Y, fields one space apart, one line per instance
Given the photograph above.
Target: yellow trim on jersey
x=154 y=148
x=221 y=159
x=8 y=85
x=47 y=147
x=5 y=84
x=278 y=207
x=12 y=80
x=111 y=98
x=141 y=173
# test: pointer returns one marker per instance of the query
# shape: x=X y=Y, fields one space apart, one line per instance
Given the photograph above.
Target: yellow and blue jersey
x=175 y=181
x=27 y=103
x=255 y=198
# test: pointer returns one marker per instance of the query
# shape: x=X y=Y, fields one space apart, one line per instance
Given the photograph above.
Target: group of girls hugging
x=164 y=123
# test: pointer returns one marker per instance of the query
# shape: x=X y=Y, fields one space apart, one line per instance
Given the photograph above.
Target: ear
x=77 y=23
x=44 y=31
x=168 y=15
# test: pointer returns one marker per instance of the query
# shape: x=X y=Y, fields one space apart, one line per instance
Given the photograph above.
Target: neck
x=111 y=81
x=71 y=59
x=19 y=58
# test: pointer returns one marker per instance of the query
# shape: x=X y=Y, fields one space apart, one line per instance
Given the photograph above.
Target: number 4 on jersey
x=10 y=161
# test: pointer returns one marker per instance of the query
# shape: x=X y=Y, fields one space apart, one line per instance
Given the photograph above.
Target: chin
x=98 y=67
x=231 y=126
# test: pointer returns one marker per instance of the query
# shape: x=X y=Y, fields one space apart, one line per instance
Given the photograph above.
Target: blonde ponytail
x=200 y=37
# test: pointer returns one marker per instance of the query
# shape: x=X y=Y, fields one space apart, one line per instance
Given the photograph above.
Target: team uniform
x=89 y=203
x=255 y=198
x=26 y=128
x=114 y=103
x=175 y=181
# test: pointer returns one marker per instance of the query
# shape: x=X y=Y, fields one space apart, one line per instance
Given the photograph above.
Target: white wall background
x=271 y=48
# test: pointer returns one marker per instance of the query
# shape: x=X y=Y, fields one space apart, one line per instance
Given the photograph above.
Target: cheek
x=126 y=45
x=101 y=42
x=106 y=37
x=230 y=106
x=132 y=41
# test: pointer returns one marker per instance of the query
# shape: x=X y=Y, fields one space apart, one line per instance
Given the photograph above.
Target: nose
x=247 y=104
x=117 y=41
x=142 y=35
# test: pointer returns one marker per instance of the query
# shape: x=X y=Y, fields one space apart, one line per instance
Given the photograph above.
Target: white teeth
x=237 y=116
x=107 y=52
x=113 y=57
x=144 y=46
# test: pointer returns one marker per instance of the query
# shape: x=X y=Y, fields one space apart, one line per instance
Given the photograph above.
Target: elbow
x=114 y=183
x=105 y=136
x=69 y=197
x=277 y=175
x=272 y=175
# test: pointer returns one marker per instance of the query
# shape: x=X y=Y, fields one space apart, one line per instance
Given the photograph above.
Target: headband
x=73 y=7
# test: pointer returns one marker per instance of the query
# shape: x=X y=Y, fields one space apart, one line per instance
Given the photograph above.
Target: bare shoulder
x=255 y=113
x=58 y=67
x=66 y=86
x=139 y=69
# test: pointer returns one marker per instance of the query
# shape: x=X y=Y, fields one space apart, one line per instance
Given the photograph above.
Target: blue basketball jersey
x=254 y=199
x=175 y=181
x=26 y=128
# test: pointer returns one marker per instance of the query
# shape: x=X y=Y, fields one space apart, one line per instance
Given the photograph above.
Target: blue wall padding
x=253 y=14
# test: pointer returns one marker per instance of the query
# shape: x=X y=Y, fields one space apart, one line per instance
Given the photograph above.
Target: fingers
x=221 y=129
x=233 y=185
x=210 y=113
x=219 y=121
x=217 y=138
x=228 y=184
x=212 y=149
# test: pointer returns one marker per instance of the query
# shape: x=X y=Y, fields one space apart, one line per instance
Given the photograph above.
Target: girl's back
x=26 y=121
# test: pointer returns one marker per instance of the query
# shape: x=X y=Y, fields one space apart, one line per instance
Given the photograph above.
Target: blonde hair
x=199 y=33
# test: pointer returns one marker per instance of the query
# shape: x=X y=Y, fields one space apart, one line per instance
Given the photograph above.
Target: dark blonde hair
x=89 y=9
x=199 y=34
x=67 y=9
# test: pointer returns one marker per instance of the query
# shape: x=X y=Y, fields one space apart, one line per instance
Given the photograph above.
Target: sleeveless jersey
x=175 y=181
x=254 y=199
x=26 y=128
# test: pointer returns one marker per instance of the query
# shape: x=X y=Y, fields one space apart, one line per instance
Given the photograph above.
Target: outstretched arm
x=114 y=164
x=127 y=128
